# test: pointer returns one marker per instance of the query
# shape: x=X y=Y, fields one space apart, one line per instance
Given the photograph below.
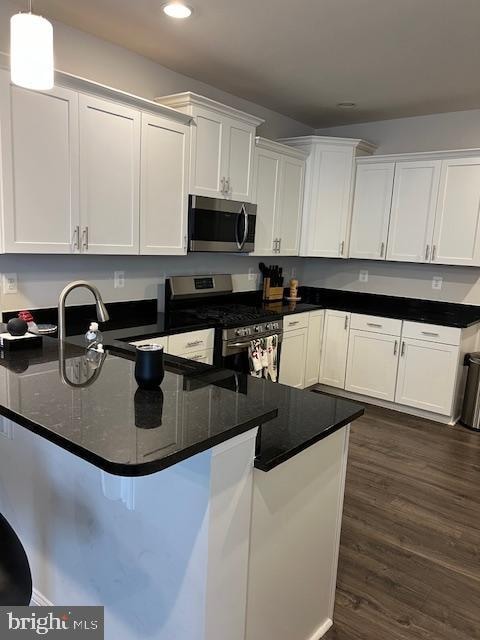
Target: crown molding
x=421 y=155
x=309 y=141
x=189 y=100
x=278 y=147
x=83 y=85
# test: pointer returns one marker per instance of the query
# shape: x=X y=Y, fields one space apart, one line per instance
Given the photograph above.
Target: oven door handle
x=231 y=345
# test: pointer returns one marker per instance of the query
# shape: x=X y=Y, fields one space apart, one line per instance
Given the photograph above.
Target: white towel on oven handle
x=271 y=370
x=255 y=358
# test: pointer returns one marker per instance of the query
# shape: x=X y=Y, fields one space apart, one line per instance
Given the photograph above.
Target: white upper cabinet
x=414 y=201
x=330 y=171
x=265 y=193
x=278 y=192
x=39 y=138
x=109 y=176
x=163 y=186
x=456 y=238
x=223 y=140
x=371 y=210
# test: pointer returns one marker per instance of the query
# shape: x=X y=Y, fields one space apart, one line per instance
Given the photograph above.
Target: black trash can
x=471 y=400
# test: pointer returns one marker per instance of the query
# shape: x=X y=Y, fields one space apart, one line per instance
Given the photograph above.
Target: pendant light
x=31 y=51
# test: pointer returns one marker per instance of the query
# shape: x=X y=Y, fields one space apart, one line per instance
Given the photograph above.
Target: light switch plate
x=10 y=283
x=363 y=275
x=437 y=282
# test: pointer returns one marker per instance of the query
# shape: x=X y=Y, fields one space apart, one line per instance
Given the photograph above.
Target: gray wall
x=457 y=130
x=460 y=284
x=40 y=278
x=85 y=55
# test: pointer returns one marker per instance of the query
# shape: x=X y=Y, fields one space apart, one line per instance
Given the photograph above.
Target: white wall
x=435 y=132
x=41 y=278
x=86 y=55
x=460 y=284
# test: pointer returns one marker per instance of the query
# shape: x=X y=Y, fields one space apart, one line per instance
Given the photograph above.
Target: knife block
x=271 y=293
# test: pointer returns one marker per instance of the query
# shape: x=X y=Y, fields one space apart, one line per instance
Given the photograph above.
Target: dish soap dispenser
x=93 y=337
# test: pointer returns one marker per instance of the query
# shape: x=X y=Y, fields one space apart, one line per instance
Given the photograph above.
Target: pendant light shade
x=31 y=51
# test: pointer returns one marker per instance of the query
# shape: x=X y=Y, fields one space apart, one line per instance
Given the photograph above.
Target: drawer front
x=376 y=324
x=204 y=355
x=431 y=332
x=191 y=341
x=295 y=321
x=163 y=341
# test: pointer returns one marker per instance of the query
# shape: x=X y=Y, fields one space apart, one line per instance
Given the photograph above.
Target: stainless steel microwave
x=221 y=225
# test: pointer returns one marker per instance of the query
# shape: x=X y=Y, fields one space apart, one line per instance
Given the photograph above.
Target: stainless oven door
x=235 y=354
x=221 y=225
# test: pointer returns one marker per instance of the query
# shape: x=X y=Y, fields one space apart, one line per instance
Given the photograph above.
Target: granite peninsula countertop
x=95 y=410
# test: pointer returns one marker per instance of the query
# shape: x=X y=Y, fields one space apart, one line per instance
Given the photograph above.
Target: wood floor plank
x=409 y=566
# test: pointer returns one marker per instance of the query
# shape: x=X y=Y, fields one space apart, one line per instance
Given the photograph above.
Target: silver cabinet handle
x=228 y=188
x=342 y=247
x=395 y=348
x=427 y=252
x=222 y=186
x=76 y=238
x=185 y=242
x=197 y=357
x=196 y=343
x=430 y=333
x=403 y=349
x=346 y=323
x=382 y=249
x=292 y=324
x=279 y=245
x=374 y=324
x=85 y=238
x=434 y=250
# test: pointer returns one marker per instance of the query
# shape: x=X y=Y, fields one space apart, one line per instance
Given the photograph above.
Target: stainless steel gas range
x=210 y=300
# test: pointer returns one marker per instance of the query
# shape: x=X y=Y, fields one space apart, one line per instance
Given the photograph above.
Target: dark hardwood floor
x=410 y=548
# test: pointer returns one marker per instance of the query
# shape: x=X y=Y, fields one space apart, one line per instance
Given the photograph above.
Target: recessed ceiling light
x=177 y=10
x=347 y=105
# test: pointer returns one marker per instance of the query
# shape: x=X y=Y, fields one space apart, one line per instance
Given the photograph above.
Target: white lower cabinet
x=193 y=345
x=333 y=359
x=292 y=358
x=314 y=347
x=372 y=364
x=427 y=375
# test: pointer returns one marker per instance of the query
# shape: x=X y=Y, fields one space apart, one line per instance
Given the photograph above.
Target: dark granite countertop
x=448 y=314
x=96 y=412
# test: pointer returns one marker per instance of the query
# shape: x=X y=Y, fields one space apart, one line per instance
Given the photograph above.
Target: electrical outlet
x=363 y=275
x=119 y=279
x=10 y=283
x=437 y=282
x=252 y=274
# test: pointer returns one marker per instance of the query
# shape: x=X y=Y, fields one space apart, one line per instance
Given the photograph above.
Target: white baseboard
x=39 y=600
x=322 y=630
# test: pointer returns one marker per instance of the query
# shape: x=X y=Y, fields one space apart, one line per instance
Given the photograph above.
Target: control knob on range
x=257 y=328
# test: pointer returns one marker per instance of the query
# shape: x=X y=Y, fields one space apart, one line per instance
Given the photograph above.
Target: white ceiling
x=393 y=58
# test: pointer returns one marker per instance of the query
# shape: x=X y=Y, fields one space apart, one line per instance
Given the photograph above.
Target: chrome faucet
x=102 y=313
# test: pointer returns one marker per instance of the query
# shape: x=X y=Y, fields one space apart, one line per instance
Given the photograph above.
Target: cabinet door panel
x=371 y=210
x=109 y=176
x=206 y=166
x=290 y=205
x=40 y=168
x=164 y=186
x=314 y=347
x=456 y=236
x=292 y=358
x=238 y=159
x=372 y=364
x=415 y=193
x=265 y=194
x=427 y=375
x=328 y=208
x=333 y=360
